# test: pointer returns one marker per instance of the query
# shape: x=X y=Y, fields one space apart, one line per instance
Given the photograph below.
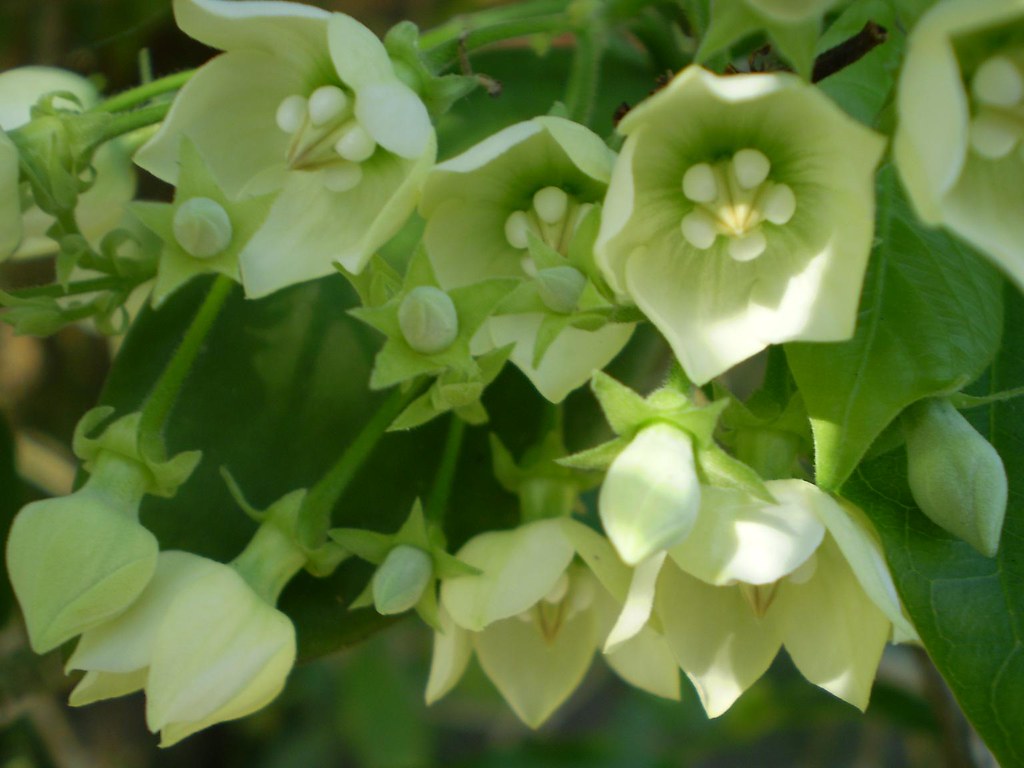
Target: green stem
x=446 y=53
x=126 y=122
x=581 y=92
x=440 y=493
x=143 y=93
x=458 y=26
x=162 y=397
x=963 y=402
x=95 y=285
x=322 y=497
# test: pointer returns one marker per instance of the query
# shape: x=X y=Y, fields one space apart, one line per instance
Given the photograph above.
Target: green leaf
x=968 y=609
x=930 y=321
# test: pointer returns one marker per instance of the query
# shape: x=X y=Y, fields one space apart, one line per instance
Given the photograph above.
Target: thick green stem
x=440 y=493
x=143 y=93
x=458 y=26
x=162 y=397
x=584 y=75
x=322 y=497
x=446 y=53
x=126 y=122
x=964 y=402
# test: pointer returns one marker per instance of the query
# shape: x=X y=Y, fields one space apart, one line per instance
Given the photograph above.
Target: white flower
x=306 y=104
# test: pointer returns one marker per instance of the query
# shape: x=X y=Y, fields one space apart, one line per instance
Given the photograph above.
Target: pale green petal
x=584 y=148
x=241 y=88
x=220 y=653
x=476 y=157
x=293 y=33
x=852 y=532
x=310 y=228
x=833 y=631
x=10 y=198
x=97 y=686
x=636 y=610
x=20 y=89
x=395 y=117
x=739 y=538
x=359 y=57
x=619 y=208
x=452 y=649
x=645 y=662
x=124 y=644
x=465 y=249
x=715 y=636
x=651 y=494
x=930 y=147
x=518 y=568
x=534 y=674
x=570 y=360
x=600 y=557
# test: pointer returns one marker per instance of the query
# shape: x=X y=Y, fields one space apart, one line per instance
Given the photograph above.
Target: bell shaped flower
x=99 y=209
x=740 y=214
x=330 y=128
x=80 y=560
x=534 y=616
x=807 y=573
x=523 y=203
x=959 y=145
x=204 y=639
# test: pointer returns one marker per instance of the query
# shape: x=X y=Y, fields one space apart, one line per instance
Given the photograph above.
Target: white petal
x=395 y=117
x=645 y=662
x=358 y=55
x=639 y=603
x=721 y=646
x=519 y=567
x=452 y=649
x=21 y=88
x=739 y=538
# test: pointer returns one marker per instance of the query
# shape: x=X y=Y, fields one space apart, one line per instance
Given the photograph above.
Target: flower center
x=326 y=136
x=554 y=217
x=997 y=90
x=570 y=595
x=733 y=198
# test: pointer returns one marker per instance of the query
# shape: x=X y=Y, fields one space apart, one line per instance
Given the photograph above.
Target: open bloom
x=534 y=617
x=806 y=573
x=536 y=179
x=306 y=104
x=99 y=209
x=740 y=214
x=958 y=146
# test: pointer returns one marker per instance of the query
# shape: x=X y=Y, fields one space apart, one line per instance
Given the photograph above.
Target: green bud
x=955 y=475
x=202 y=227
x=560 y=288
x=77 y=561
x=399 y=581
x=428 y=320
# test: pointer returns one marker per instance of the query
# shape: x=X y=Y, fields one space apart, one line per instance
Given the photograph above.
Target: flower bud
x=650 y=497
x=955 y=475
x=560 y=288
x=428 y=320
x=77 y=561
x=400 y=580
x=202 y=227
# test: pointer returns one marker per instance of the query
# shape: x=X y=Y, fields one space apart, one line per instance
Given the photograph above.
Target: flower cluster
x=735 y=212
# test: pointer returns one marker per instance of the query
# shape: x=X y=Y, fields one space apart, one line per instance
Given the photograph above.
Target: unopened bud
x=400 y=580
x=202 y=227
x=428 y=320
x=560 y=288
x=955 y=475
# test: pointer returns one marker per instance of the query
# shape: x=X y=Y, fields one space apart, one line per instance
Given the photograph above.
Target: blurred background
x=364 y=706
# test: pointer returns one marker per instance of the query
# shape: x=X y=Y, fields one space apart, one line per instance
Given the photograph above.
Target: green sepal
x=366 y=545
x=377 y=284
x=439 y=92
x=122 y=437
x=720 y=469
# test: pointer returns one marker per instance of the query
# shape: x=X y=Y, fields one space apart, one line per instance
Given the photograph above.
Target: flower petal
x=645 y=662
x=452 y=649
x=518 y=568
x=395 y=117
x=358 y=55
x=241 y=88
x=21 y=88
x=638 y=605
x=833 y=631
x=738 y=538
x=533 y=673
x=97 y=686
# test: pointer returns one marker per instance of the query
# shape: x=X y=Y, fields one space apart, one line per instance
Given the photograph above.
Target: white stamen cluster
x=326 y=136
x=733 y=198
x=554 y=217
x=997 y=89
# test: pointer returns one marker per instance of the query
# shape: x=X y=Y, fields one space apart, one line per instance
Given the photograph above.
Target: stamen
x=327 y=103
x=580 y=214
x=779 y=204
x=751 y=167
x=993 y=135
x=517 y=229
x=291 y=113
x=551 y=204
x=998 y=83
x=699 y=184
x=748 y=247
x=355 y=143
x=342 y=176
x=698 y=227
